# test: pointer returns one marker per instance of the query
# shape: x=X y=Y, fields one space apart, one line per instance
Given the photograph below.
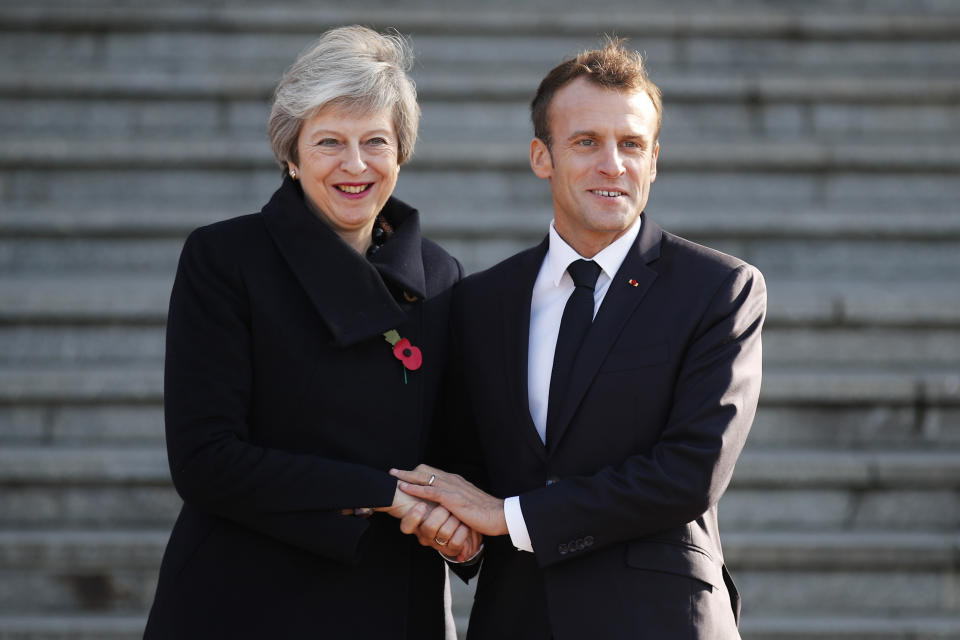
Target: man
x=604 y=448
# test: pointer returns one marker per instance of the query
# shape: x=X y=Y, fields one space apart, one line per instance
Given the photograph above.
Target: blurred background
x=817 y=140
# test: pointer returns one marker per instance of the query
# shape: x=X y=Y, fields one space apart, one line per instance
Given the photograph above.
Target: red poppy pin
x=409 y=355
x=632 y=282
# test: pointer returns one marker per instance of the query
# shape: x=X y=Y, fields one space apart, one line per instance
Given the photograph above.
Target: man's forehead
x=627 y=114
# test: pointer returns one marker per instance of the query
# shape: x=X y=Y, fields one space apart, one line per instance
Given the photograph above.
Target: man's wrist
x=516 y=525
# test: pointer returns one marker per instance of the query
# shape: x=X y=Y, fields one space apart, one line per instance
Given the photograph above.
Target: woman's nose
x=353 y=162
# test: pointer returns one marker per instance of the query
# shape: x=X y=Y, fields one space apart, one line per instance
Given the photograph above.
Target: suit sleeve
x=208 y=377
x=687 y=471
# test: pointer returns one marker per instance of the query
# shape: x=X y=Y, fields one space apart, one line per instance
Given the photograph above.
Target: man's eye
x=630 y=143
x=585 y=143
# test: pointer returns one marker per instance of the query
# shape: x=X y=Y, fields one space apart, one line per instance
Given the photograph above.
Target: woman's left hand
x=437 y=528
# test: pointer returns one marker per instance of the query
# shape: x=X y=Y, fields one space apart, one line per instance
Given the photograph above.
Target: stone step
x=89 y=120
x=782 y=386
x=143 y=299
x=924 y=20
x=871 y=426
x=106 y=221
x=105 y=423
x=111 y=487
x=459 y=46
x=479 y=85
x=787 y=627
x=85 y=550
x=903 y=592
x=878 y=626
x=747 y=156
x=779 y=256
x=443 y=192
x=115 y=564
x=917 y=425
x=890 y=349
x=72 y=627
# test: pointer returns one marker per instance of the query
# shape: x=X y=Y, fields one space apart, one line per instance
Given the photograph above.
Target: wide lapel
x=343 y=286
x=516 y=339
x=401 y=259
x=626 y=290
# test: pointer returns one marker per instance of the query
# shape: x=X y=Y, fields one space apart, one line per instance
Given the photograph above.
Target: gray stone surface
x=850 y=627
x=72 y=627
x=818 y=144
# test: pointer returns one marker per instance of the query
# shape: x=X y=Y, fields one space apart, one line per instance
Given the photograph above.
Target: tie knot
x=584 y=273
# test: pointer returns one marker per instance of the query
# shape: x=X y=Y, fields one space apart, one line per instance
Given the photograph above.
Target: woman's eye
x=327 y=142
x=377 y=141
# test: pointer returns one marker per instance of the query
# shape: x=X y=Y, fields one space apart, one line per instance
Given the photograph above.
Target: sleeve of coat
x=687 y=471
x=294 y=497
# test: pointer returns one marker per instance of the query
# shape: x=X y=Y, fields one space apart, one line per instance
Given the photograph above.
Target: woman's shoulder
x=227 y=236
x=230 y=230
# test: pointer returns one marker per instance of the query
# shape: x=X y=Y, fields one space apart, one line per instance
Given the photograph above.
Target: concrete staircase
x=822 y=146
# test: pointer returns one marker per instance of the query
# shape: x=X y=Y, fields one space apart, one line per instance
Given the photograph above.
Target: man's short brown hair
x=612 y=67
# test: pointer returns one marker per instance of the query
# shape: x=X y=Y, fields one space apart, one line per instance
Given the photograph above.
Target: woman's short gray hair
x=354 y=67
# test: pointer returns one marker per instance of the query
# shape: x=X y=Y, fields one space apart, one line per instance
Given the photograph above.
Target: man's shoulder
x=697 y=258
x=507 y=270
x=519 y=270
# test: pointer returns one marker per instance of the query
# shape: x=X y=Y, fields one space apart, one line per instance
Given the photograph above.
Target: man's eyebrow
x=583 y=132
x=638 y=137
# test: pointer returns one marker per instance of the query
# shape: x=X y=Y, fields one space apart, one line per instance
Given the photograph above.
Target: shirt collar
x=560 y=254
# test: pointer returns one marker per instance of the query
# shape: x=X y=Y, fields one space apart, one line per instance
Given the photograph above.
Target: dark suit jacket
x=284 y=404
x=622 y=509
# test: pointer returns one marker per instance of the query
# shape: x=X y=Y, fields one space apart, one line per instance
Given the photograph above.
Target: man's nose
x=611 y=162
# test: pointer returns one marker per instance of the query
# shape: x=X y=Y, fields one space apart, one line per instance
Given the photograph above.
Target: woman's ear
x=540 y=159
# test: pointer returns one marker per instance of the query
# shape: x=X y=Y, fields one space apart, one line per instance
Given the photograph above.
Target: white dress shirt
x=550 y=292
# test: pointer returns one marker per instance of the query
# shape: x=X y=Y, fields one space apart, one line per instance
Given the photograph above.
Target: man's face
x=601 y=163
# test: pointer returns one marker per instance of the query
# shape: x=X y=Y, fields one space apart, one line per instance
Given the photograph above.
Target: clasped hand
x=474 y=508
x=444 y=511
x=433 y=525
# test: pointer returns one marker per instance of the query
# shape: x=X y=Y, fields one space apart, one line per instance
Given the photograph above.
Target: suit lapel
x=516 y=340
x=619 y=304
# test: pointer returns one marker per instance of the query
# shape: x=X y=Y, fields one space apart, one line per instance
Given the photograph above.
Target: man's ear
x=653 y=161
x=540 y=159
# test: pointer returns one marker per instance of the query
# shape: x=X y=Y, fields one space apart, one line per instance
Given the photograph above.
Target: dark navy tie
x=576 y=320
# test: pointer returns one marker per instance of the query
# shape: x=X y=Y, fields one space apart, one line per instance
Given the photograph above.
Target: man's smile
x=607 y=193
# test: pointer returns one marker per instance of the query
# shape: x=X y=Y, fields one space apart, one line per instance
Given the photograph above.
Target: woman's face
x=348 y=168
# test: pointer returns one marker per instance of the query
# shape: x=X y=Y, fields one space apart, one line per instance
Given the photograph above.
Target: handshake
x=445 y=511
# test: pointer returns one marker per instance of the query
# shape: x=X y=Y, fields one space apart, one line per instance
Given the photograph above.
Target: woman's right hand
x=402 y=504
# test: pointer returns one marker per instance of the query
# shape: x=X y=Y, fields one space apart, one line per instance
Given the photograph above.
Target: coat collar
x=624 y=295
x=347 y=290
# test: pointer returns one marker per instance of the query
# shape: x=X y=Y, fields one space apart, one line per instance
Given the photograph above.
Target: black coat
x=622 y=507
x=284 y=404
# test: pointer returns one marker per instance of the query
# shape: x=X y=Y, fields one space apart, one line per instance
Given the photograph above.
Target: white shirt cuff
x=516 y=524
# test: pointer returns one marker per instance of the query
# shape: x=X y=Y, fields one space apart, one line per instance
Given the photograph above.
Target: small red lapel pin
x=632 y=282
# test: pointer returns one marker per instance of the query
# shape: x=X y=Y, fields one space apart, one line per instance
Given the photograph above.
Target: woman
x=304 y=351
